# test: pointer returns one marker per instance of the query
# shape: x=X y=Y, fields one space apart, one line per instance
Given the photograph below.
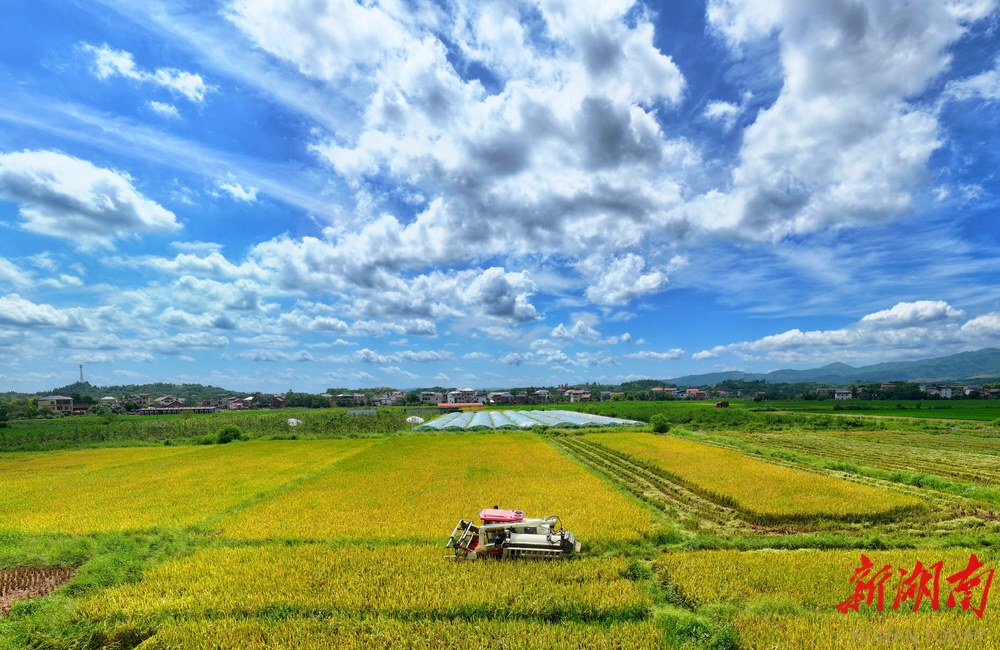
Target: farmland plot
x=763 y=492
x=144 y=488
x=404 y=581
x=416 y=488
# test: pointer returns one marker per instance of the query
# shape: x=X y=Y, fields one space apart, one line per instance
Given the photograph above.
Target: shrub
x=660 y=423
x=229 y=433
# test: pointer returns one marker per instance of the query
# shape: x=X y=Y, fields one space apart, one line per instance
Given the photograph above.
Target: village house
x=58 y=403
x=842 y=394
x=430 y=397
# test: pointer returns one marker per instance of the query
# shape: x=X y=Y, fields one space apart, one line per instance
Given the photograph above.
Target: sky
x=266 y=195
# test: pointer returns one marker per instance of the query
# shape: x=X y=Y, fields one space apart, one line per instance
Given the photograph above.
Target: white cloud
x=578 y=331
x=166 y=110
x=236 y=191
x=67 y=197
x=669 y=355
x=725 y=113
x=621 y=279
x=985 y=85
x=907 y=330
x=13 y=275
x=109 y=62
x=275 y=356
x=19 y=312
x=565 y=157
x=843 y=143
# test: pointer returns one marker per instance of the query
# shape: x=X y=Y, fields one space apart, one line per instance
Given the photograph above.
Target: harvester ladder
x=462 y=536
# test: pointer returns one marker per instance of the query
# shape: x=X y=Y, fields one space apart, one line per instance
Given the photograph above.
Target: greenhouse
x=479 y=420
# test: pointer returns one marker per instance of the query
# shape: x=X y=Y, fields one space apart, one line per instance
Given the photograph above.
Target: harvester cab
x=509 y=534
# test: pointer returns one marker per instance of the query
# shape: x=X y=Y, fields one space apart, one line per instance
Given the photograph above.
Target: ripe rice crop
x=407 y=581
x=789 y=598
x=144 y=488
x=417 y=488
x=308 y=634
x=761 y=491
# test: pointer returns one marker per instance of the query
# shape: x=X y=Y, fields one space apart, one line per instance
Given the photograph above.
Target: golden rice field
x=150 y=487
x=788 y=599
x=762 y=491
x=402 y=581
x=417 y=487
x=371 y=632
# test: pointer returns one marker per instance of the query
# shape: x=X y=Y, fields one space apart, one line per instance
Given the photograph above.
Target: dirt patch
x=29 y=582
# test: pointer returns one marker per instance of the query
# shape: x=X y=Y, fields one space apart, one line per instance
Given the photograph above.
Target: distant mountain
x=155 y=390
x=979 y=364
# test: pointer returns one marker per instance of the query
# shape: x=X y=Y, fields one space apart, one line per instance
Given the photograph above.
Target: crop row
x=659 y=491
x=144 y=488
x=762 y=492
x=404 y=581
x=418 y=487
x=382 y=632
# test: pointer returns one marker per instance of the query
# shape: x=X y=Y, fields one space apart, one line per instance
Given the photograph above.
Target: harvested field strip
x=157 y=490
x=382 y=632
x=762 y=492
x=24 y=582
x=894 y=457
x=789 y=598
x=969 y=442
x=967 y=498
x=654 y=489
x=417 y=487
x=402 y=581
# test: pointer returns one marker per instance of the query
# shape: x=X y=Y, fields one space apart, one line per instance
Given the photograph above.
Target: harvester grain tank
x=509 y=534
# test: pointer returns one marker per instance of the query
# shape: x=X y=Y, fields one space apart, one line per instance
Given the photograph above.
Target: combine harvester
x=507 y=534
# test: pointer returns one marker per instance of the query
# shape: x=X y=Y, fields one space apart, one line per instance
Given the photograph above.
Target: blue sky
x=270 y=195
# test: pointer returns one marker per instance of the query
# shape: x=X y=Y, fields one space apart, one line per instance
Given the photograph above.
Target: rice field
x=339 y=543
x=790 y=598
x=763 y=492
x=403 y=581
x=416 y=488
x=150 y=487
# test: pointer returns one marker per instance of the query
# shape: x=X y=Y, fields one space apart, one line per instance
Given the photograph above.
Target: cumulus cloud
x=843 y=143
x=567 y=146
x=62 y=196
x=19 y=312
x=906 y=330
x=109 y=62
x=621 y=279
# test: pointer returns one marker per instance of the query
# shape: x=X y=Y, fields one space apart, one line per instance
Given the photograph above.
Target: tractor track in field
x=660 y=492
